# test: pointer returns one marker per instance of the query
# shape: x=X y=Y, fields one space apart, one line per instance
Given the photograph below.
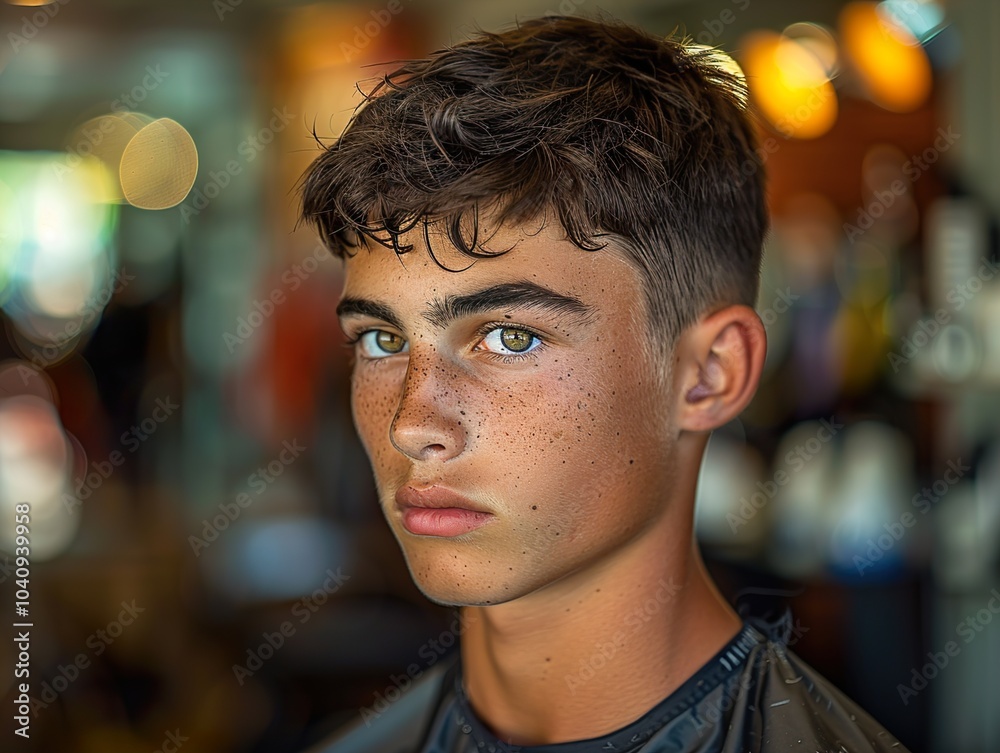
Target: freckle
x=548 y=658
x=630 y=461
x=534 y=507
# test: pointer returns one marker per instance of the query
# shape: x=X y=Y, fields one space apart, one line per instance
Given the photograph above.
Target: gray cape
x=754 y=695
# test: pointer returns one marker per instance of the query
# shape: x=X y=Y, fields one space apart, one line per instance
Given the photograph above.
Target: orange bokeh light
x=892 y=64
x=790 y=85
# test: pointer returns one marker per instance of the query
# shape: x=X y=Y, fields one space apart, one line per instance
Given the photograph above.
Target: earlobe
x=722 y=361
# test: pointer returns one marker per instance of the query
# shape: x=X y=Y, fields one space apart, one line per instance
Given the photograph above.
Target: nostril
x=433 y=449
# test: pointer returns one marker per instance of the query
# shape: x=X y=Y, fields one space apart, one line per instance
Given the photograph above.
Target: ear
x=719 y=362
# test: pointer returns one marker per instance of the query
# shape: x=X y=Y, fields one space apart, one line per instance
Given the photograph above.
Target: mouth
x=437 y=511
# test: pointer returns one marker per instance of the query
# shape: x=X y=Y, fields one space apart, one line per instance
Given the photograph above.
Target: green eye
x=516 y=340
x=377 y=342
x=389 y=342
x=513 y=340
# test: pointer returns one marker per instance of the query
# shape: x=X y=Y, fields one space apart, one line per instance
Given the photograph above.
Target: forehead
x=541 y=258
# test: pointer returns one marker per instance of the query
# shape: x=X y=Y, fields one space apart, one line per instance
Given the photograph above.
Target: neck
x=595 y=650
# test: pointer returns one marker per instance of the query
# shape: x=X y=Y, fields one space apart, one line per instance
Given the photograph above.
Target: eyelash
x=480 y=333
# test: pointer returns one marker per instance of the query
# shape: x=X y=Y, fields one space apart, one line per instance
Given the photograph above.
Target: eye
x=511 y=341
x=377 y=343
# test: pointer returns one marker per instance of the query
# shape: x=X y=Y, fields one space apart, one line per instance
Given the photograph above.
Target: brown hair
x=640 y=140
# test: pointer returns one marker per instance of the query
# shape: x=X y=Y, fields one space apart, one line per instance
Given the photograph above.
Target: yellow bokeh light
x=159 y=165
x=818 y=41
x=889 y=59
x=790 y=85
x=105 y=138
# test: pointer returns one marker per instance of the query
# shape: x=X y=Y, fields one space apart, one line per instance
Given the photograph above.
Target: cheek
x=573 y=444
x=611 y=435
x=374 y=400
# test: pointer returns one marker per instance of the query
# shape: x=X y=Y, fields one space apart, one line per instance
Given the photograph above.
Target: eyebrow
x=440 y=312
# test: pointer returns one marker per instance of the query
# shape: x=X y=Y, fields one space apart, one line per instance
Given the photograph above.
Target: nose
x=428 y=421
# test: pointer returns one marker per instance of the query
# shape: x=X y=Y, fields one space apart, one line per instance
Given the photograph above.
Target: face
x=535 y=401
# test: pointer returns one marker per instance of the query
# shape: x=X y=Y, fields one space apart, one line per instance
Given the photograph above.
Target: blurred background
x=209 y=568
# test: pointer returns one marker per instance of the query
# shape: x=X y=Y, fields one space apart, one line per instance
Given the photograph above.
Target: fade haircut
x=641 y=143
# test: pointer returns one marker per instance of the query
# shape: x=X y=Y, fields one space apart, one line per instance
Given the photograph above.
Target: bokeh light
x=58 y=257
x=159 y=165
x=888 y=58
x=790 y=84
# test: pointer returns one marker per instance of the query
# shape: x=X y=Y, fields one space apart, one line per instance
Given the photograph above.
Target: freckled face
x=547 y=418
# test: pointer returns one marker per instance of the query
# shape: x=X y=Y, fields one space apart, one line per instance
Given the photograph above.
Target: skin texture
x=586 y=457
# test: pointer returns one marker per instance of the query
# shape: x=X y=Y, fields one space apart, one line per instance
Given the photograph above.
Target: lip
x=438 y=511
x=434 y=497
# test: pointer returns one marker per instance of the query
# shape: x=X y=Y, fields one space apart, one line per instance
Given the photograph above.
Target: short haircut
x=637 y=142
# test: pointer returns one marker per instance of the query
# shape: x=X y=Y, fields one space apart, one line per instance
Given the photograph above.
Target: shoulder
x=392 y=727
x=787 y=703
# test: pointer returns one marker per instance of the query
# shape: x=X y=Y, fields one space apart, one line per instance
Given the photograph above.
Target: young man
x=552 y=246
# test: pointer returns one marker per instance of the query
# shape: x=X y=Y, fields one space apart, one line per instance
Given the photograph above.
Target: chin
x=459 y=599
x=457 y=586
x=450 y=595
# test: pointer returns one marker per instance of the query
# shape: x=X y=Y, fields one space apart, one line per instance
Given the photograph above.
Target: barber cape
x=753 y=695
